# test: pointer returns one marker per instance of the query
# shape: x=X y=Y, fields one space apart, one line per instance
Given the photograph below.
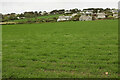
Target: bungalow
x=114 y=11
x=115 y=15
x=82 y=12
x=44 y=13
x=64 y=18
x=85 y=18
x=48 y=13
x=89 y=12
x=20 y=17
x=101 y=15
x=68 y=12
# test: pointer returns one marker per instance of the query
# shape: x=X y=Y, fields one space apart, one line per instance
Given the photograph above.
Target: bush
x=41 y=20
x=110 y=17
x=76 y=18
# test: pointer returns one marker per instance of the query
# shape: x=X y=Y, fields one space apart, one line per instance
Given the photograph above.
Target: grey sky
x=19 y=6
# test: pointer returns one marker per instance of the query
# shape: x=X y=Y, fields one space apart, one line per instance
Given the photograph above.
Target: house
x=82 y=12
x=85 y=18
x=48 y=13
x=115 y=15
x=68 y=12
x=89 y=12
x=64 y=18
x=114 y=11
x=86 y=10
x=44 y=13
x=20 y=17
x=101 y=15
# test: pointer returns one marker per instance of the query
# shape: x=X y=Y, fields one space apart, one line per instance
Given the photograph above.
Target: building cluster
x=88 y=15
x=67 y=15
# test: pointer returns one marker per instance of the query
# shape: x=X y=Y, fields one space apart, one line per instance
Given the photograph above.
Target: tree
x=29 y=14
x=44 y=13
x=54 y=12
x=74 y=10
x=13 y=16
x=62 y=11
x=20 y=15
x=36 y=13
x=5 y=18
x=39 y=13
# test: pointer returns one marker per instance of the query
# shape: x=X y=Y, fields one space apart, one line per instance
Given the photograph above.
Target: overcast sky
x=19 y=6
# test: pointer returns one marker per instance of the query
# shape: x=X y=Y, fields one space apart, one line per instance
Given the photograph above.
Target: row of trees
x=31 y=14
x=8 y=17
x=14 y=16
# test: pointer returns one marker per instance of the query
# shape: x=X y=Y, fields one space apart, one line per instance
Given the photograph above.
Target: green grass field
x=82 y=49
x=40 y=17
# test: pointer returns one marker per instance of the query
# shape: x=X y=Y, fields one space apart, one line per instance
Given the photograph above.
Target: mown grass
x=61 y=50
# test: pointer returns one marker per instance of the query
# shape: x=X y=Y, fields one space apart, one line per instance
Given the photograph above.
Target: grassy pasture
x=61 y=50
x=40 y=17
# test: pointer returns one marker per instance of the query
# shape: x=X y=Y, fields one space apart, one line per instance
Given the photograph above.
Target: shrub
x=76 y=18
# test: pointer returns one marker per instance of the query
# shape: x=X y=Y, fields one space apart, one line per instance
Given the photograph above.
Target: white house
x=20 y=17
x=48 y=12
x=82 y=12
x=101 y=15
x=115 y=15
x=67 y=12
x=64 y=18
x=114 y=11
x=85 y=18
x=89 y=12
x=43 y=13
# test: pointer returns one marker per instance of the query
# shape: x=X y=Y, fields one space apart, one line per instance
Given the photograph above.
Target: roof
x=85 y=17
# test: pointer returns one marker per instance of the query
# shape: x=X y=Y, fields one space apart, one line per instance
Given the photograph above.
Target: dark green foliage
x=50 y=18
x=76 y=18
